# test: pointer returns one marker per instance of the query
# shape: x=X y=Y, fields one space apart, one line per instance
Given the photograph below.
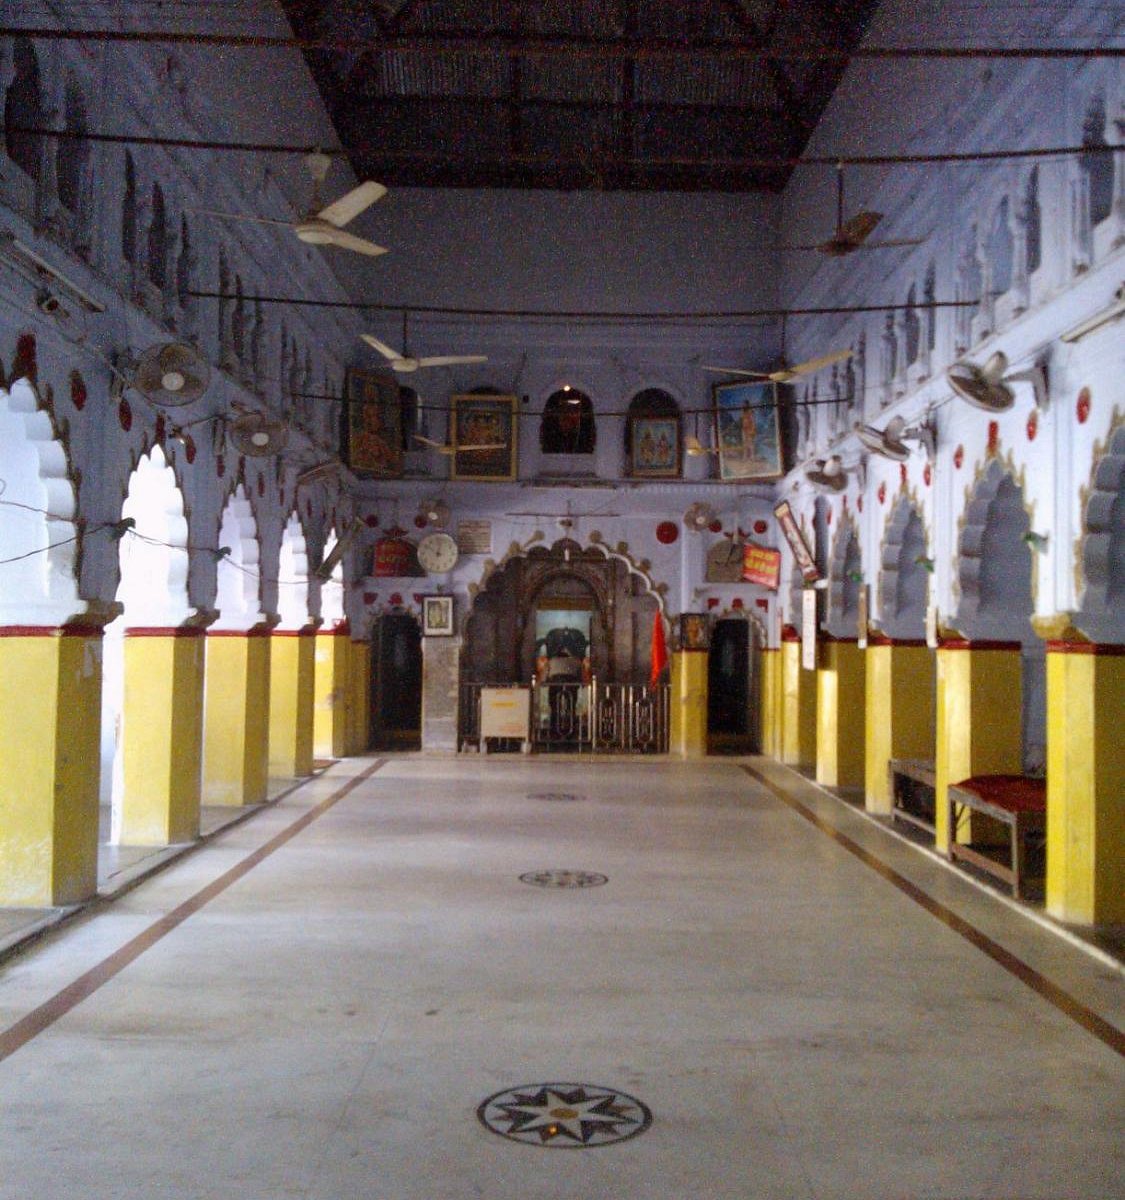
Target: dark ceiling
x=592 y=94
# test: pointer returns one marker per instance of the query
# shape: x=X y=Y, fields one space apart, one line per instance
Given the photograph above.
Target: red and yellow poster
x=761 y=565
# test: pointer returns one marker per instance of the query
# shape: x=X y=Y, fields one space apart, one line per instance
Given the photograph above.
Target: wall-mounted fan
x=700 y=516
x=326 y=226
x=785 y=374
x=435 y=513
x=403 y=364
x=171 y=374
x=987 y=387
x=258 y=435
x=891 y=442
x=827 y=474
x=853 y=234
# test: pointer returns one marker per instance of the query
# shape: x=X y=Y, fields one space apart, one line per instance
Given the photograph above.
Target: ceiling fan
x=852 y=234
x=785 y=374
x=325 y=226
x=447 y=448
x=403 y=364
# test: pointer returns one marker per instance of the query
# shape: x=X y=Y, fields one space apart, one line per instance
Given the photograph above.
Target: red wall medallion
x=927 y=474
x=1082 y=405
x=189 y=448
x=993 y=438
x=125 y=414
x=716 y=526
x=882 y=493
x=371 y=520
x=1032 y=424
x=958 y=457
x=902 y=473
x=667 y=532
x=760 y=527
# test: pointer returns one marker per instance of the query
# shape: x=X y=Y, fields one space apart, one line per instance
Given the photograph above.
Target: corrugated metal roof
x=576 y=93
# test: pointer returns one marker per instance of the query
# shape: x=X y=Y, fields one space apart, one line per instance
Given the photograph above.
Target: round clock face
x=437 y=553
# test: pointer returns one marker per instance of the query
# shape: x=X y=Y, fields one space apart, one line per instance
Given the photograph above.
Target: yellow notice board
x=504 y=712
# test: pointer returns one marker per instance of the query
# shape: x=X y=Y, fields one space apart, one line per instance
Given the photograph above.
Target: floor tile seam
x=1061 y=1000
x=47 y=1013
x=1102 y=957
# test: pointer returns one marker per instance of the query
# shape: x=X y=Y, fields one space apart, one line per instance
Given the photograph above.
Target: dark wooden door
x=396 y=694
x=728 y=687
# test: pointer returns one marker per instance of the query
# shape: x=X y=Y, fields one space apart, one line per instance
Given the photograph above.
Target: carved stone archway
x=904 y=580
x=500 y=634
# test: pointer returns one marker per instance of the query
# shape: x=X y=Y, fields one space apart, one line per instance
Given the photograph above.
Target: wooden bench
x=1016 y=801
x=913 y=784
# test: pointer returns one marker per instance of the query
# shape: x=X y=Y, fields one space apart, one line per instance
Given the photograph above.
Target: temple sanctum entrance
x=574 y=625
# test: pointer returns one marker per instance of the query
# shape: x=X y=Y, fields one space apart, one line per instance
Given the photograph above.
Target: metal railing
x=606 y=718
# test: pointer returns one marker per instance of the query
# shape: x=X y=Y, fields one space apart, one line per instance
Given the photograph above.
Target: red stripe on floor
x=1051 y=992
x=85 y=985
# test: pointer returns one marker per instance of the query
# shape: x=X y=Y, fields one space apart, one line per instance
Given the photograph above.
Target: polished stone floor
x=769 y=996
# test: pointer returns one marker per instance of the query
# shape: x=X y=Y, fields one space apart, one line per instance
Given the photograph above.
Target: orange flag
x=659 y=650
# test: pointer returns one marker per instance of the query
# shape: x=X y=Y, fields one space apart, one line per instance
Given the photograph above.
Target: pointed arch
x=37 y=515
x=293 y=575
x=238 y=582
x=904 y=581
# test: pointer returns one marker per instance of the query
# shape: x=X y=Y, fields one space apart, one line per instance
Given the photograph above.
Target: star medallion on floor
x=570 y=1116
x=559 y=877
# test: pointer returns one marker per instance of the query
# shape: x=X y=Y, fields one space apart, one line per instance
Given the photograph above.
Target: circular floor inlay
x=559 y=877
x=554 y=796
x=571 y=1116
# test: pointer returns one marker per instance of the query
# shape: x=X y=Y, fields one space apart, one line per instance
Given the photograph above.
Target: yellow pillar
x=292 y=655
x=50 y=709
x=840 y=681
x=770 y=723
x=1085 y=783
x=331 y=693
x=688 y=736
x=900 y=712
x=360 y=710
x=162 y=736
x=798 y=706
x=979 y=709
x=236 y=712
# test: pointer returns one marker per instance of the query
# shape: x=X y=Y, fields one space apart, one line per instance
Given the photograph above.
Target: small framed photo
x=654 y=447
x=748 y=430
x=437 y=616
x=695 y=631
x=484 y=433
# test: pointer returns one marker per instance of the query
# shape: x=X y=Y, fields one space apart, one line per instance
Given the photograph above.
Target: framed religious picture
x=654 y=447
x=372 y=425
x=695 y=631
x=747 y=430
x=484 y=434
x=437 y=616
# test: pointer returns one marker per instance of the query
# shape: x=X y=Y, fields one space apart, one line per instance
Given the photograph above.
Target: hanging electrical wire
x=801 y=160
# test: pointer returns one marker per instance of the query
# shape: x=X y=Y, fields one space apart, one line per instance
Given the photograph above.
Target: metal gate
x=603 y=718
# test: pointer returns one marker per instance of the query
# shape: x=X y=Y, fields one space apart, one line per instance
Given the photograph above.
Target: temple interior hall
x=457 y=454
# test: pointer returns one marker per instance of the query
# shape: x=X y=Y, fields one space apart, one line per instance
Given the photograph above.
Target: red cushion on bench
x=1016 y=793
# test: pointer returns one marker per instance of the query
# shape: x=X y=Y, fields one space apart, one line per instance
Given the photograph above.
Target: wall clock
x=437 y=553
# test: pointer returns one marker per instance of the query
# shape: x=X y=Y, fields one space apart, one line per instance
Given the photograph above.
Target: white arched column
x=332 y=694
x=237 y=686
x=50 y=672
x=152 y=708
x=292 y=662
